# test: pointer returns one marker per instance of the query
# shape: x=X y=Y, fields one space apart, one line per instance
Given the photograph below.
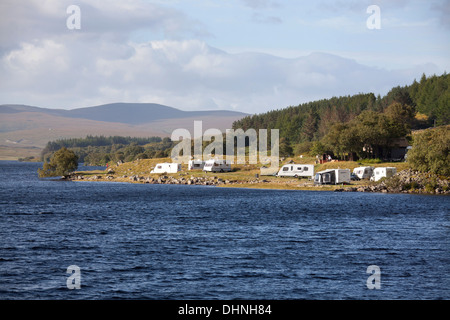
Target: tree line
x=100 y=150
x=362 y=124
x=430 y=152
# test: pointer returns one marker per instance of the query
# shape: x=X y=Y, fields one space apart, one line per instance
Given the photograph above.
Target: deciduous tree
x=63 y=162
x=430 y=151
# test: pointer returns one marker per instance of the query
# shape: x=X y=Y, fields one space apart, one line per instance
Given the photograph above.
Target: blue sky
x=414 y=30
x=246 y=55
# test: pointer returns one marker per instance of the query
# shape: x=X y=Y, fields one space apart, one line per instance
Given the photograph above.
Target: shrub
x=413 y=185
x=393 y=183
x=142 y=156
x=430 y=151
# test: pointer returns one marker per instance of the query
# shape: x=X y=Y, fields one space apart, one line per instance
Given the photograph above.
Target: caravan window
x=305 y=168
x=159 y=167
x=286 y=169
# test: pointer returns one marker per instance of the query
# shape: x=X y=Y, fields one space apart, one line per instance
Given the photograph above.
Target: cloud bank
x=43 y=63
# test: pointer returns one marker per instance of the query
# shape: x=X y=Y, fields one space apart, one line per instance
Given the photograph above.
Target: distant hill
x=129 y=113
x=24 y=128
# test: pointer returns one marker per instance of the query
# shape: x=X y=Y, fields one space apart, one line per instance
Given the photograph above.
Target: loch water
x=170 y=242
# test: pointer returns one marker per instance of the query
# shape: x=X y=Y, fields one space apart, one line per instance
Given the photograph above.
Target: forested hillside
x=431 y=96
x=429 y=100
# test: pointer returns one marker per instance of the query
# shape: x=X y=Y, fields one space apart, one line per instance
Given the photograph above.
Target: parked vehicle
x=363 y=172
x=217 y=166
x=269 y=171
x=196 y=164
x=296 y=170
x=332 y=176
x=167 y=168
x=383 y=172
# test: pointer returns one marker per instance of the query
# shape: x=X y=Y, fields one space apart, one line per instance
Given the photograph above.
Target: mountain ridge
x=121 y=112
x=24 y=128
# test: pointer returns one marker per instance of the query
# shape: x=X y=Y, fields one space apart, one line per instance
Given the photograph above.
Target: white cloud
x=185 y=74
x=443 y=9
x=114 y=21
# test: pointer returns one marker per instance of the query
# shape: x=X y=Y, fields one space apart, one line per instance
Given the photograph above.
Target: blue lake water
x=143 y=241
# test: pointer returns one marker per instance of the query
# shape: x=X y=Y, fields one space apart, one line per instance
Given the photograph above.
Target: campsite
x=250 y=176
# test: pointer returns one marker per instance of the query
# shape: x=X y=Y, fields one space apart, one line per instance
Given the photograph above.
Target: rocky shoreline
x=164 y=179
x=406 y=181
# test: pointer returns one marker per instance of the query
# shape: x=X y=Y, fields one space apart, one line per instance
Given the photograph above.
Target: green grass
x=244 y=175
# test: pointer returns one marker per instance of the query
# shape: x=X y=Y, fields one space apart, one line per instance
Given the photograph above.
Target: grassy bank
x=15 y=153
x=242 y=176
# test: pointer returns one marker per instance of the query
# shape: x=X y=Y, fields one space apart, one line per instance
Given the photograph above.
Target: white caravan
x=332 y=176
x=196 y=165
x=383 y=172
x=167 y=168
x=217 y=166
x=296 y=170
x=363 y=172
